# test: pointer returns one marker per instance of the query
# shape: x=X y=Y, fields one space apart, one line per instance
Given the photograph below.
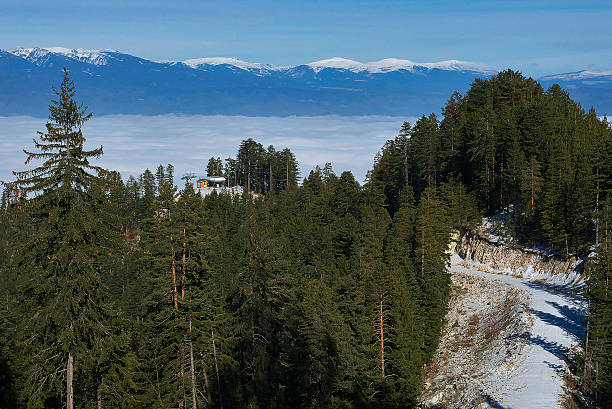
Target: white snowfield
x=558 y=325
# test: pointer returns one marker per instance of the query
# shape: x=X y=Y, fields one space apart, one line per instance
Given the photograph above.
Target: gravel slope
x=558 y=324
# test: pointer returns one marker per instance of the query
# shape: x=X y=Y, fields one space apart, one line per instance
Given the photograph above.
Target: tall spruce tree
x=62 y=296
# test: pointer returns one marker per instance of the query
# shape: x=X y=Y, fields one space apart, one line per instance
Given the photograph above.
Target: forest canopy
x=319 y=293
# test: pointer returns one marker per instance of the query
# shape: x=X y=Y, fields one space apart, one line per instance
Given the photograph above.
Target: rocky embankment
x=481 y=343
x=489 y=255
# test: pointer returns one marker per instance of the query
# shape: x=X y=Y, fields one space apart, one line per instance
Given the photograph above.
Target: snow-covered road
x=558 y=323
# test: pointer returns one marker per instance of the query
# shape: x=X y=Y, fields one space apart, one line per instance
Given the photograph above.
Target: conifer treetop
x=61 y=148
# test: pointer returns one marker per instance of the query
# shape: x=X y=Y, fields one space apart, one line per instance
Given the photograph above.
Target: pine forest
x=303 y=291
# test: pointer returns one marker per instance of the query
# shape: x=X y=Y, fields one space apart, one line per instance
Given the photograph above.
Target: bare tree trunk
x=212 y=335
x=183 y=264
x=249 y=177
x=532 y=188
x=587 y=359
x=382 y=340
x=287 y=183
x=176 y=317
x=206 y=384
x=69 y=375
x=157 y=378
x=423 y=251
x=174 y=288
x=99 y=396
x=405 y=163
x=193 y=379
x=597 y=211
x=183 y=268
x=606 y=248
x=183 y=402
x=270 y=177
x=488 y=185
x=501 y=184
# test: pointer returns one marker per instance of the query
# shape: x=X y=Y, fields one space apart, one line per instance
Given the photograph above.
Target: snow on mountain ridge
x=337 y=62
x=395 y=64
x=375 y=67
x=37 y=54
x=244 y=65
x=101 y=57
x=579 y=75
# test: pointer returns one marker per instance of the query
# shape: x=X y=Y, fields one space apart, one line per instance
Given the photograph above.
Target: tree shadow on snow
x=560 y=351
x=570 y=321
x=495 y=404
x=559 y=369
x=569 y=294
x=576 y=316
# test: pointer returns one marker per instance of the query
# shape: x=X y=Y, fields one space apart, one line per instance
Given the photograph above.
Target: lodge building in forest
x=207 y=185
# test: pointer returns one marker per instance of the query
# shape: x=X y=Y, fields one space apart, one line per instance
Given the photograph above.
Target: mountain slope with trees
x=536 y=158
x=320 y=294
x=138 y=294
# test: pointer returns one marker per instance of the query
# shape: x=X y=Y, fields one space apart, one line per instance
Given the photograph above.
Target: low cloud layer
x=133 y=143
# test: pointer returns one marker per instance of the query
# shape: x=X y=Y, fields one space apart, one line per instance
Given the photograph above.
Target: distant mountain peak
x=395 y=64
x=375 y=67
x=113 y=82
x=235 y=62
x=579 y=75
x=39 y=55
x=338 y=63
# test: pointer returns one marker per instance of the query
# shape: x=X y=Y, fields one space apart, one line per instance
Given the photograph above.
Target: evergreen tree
x=62 y=296
x=214 y=167
x=432 y=239
x=597 y=375
x=531 y=185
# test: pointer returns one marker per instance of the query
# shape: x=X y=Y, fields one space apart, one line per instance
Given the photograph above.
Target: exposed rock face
x=491 y=256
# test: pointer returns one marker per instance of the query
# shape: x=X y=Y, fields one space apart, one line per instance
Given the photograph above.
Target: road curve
x=558 y=323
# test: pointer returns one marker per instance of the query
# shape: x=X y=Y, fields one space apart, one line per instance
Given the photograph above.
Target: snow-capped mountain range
x=40 y=56
x=101 y=57
x=580 y=75
x=111 y=82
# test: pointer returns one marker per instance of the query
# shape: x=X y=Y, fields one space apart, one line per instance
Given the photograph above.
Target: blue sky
x=536 y=37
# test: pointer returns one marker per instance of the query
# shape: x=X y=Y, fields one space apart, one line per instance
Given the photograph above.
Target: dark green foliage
x=63 y=306
x=324 y=295
x=507 y=146
x=515 y=148
x=214 y=167
x=261 y=170
x=597 y=370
